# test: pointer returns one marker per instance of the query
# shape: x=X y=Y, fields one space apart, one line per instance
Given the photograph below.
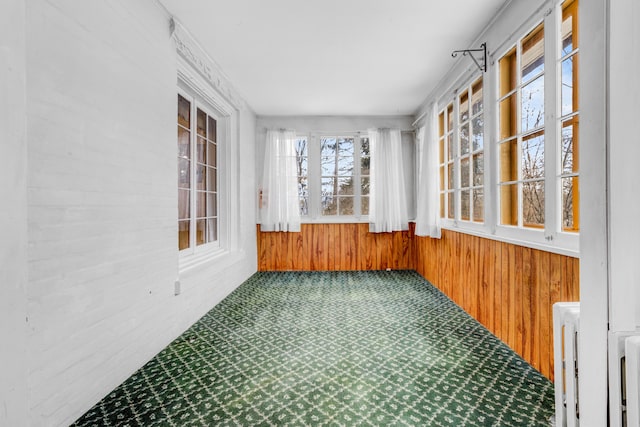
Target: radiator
x=624 y=379
x=566 y=326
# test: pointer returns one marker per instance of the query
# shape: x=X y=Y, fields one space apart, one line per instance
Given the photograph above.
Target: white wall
x=102 y=202
x=305 y=125
x=13 y=215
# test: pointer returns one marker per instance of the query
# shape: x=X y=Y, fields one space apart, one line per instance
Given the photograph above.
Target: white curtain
x=279 y=205
x=388 y=204
x=428 y=204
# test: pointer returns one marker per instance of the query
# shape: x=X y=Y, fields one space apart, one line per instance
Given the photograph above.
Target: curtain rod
x=327 y=132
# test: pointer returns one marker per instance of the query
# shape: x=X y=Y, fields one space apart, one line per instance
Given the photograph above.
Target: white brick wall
x=13 y=215
x=102 y=202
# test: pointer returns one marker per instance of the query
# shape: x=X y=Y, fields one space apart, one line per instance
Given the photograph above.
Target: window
x=333 y=177
x=197 y=175
x=527 y=148
x=461 y=136
x=569 y=117
x=521 y=144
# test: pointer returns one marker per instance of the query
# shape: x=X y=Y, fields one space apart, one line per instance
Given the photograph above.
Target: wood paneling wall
x=510 y=289
x=334 y=247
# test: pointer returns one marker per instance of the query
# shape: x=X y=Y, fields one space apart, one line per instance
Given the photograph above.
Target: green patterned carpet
x=339 y=348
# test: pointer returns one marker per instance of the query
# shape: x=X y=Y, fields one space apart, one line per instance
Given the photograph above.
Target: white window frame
x=314 y=176
x=191 y=83
x=457 y=222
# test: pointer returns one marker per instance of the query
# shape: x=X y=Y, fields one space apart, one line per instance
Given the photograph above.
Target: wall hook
x=481 y=62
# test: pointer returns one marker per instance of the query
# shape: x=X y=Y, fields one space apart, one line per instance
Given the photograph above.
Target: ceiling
x=334 y=57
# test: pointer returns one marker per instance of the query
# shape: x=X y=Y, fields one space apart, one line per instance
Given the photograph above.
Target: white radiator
x=624 y=379
x=566 y=326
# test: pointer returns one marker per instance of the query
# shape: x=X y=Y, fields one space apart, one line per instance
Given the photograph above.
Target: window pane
x=304 y=206
x=450 y=147
x=364 y=202
x=184 y=112
x=365 y=186
x=364 y=147
x=345 y=166
x=569 y=26
x=464 y=139
x=328 y=147
x=365 y=164
x=533 y=53
x=184 y=204
x=569 y=144
x=345 y=147
x=569 y=85
x=570 y=204
x=465 y=205
x=533 y=156
x=201 y=175
x=329 y=202
x=478 y=133
x=211 y=179
x=476 y=97
x=212 y=154
x=441 y=205
x=508 y=161
x=464 y=107
x=345 y=186
x=509 y=204
x=478 y=169
x=508 y=74
x=184 y=143
x=346 y=205
x=464 y=172
x=302 y=166
x=202 y=123
x=451 y=213
x=212 y=204
x=212 y=230
x=533 y=105
x=184 y=173
x=533 y=204
x=508 y=114
x=183 y=234
x=213 y=129
x=301 y=147
x=450 y=118
x=478 y=204
x=441 y=150
x=201 y=150
x=441 y=124
x=442 y=181
x=328 y=165
x=450 y=174
x=201 y=232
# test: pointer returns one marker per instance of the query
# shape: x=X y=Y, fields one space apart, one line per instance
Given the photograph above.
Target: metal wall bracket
x=481 y=62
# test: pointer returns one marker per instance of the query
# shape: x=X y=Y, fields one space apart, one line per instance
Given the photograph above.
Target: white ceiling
x=334 y=57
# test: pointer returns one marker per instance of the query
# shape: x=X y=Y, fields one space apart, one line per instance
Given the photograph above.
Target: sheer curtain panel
x=279 y=205
x=388 y=205
x=428 y=204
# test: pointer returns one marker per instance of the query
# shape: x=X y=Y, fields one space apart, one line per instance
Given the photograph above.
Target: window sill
x=189 y=262
x=567 y=244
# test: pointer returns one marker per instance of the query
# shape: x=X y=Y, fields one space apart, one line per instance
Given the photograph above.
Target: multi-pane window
x=302 y=167
x=471 y=153
x=531 y=152
x=447 y=158
x=521 y=144
x=461 y=137
x=569 y=117
x=333 y=176
x=197 y=175
x=337 y=177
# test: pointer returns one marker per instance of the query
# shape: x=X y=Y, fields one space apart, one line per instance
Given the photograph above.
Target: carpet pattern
x=332 y=348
